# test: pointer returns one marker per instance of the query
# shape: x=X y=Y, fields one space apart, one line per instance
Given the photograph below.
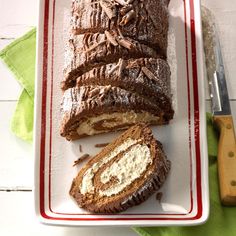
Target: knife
x=221 y=111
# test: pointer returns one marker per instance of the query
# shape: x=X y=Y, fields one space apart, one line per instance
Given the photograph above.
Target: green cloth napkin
x=222 y=220
x=19 y=56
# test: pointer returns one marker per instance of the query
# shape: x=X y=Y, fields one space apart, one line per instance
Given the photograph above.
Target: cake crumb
x=159 y=196
x=80 y=159
x=99 y=145
x=121 y=67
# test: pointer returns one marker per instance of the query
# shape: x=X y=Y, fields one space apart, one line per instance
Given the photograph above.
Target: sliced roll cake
x=148 y=77
x=124 y=174
x=143 y=20
x=90 y=110
x=87 y=51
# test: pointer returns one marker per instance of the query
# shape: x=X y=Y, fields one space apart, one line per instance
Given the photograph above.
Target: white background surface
x=16 y=156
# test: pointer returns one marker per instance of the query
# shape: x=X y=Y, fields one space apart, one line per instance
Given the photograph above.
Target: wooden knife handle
x=226 y=159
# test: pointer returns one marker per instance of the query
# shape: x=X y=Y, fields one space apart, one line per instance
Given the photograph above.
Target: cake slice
x=90 y=110
x=124 y=174
x=148 y=77
x=145 y=21
x=87 y=51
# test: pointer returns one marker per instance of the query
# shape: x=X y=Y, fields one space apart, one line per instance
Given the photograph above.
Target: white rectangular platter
x=185 y=193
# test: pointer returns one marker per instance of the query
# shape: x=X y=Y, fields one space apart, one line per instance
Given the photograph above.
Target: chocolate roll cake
x=143 y=20
x=90 y=110
x=115 y=71
x=147 y=77
x=124 y=174
x=87 y=51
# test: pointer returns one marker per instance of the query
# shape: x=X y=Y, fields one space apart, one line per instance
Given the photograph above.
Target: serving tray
x=185 y=199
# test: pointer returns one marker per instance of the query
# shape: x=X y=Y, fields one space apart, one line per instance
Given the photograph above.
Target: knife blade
x=221 y=111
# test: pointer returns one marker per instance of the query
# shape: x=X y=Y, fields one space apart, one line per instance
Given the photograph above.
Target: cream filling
x=87 y=181
x=127 y=169
x=130 y=117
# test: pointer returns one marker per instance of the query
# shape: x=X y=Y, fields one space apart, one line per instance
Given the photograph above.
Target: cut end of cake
x=90 y=110
x=124 y=174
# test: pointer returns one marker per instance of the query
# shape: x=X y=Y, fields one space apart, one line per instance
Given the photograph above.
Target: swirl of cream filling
x=128 y=168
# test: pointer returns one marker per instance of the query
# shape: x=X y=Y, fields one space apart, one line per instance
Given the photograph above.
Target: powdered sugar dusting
x=172 y=61
x=66 y=104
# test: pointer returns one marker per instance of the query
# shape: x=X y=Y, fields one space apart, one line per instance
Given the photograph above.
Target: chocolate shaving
x=120 y=33
x=129 y=1
x=94 y=3
x=108 y=8
x=95 y=45
x=121 y=67
x=121 y=2
x=94 y=92
x=99 y=145
x=128 y=17
x=148 y=73
x=113 y=69
x=94 y=54
x=76 y=14
x=125 y=43
x=110 y=38
x=80 y=148
x=80 y=159
x=125 y=9
x=141 y=21
x=159 y=196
